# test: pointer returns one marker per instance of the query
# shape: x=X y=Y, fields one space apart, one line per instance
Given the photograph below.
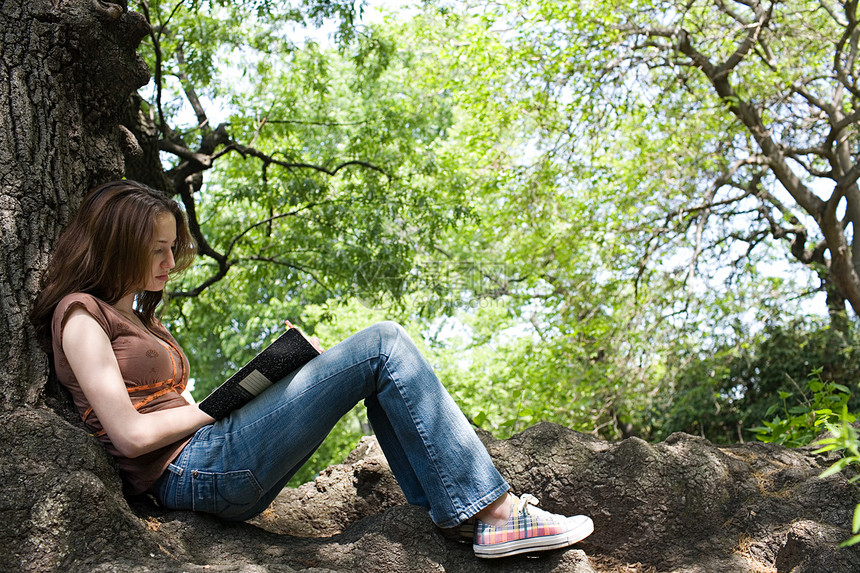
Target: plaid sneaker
x=529 y=529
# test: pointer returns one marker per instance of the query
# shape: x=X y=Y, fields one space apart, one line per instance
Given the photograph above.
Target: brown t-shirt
x=155 y=371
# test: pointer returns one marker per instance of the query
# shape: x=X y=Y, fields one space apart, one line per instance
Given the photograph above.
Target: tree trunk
x=67 y=68
x=835 y=301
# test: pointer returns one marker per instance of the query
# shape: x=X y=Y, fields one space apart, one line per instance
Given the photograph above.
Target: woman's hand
x=315 y=342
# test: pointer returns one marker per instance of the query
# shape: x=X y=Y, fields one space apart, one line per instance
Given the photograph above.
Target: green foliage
x=798 y=425
x=724 y=393
x=844 y=438
x=355 y=201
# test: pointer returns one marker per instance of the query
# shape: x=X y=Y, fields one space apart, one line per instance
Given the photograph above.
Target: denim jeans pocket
x=224 y=493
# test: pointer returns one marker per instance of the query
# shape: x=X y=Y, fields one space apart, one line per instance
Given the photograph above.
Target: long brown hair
x=106 y=251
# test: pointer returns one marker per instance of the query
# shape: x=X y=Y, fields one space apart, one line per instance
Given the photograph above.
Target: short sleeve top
x=155 y=371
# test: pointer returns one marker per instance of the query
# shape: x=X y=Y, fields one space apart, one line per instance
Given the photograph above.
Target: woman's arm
x=91 y=358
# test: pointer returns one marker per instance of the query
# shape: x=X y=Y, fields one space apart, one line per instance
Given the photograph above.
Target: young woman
x=126 y=374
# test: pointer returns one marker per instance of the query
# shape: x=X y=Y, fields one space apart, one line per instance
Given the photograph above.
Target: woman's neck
x=126 y=304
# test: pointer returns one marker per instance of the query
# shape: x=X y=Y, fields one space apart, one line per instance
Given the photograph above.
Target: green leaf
x=481 y=419
x=834 y=469
x=849 y=542
x=855 y=526
x=825 y=449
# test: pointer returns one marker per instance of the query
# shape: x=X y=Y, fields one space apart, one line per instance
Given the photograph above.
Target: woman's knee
x=388 y=330
x=390 y=335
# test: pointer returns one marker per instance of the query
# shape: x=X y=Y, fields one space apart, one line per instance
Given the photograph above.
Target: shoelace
x=529 y=505
x=524 y=503
x=526 y=500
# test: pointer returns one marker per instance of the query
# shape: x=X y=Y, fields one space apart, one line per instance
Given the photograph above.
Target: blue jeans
x=235 y=467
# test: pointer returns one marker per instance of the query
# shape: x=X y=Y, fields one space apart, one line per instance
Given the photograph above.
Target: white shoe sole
x=542 y=543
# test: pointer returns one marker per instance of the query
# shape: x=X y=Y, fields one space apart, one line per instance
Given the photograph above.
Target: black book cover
x=288 y=353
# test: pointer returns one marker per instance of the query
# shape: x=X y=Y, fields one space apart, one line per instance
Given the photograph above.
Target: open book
x=288 y=353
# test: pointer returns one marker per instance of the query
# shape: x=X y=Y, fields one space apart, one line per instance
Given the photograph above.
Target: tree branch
x=848 y=38
x=202 y=160
x=190 y=92
x=754 y=30
x=725 y=9
x=750 y=118
x=155 y=36
x=244 y=151
x=293 y=265
x=266 y=222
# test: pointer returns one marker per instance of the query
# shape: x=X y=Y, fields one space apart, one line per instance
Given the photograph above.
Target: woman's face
x=162 y=252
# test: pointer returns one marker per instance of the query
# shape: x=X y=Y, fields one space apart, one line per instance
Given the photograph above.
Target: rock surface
x=680 y=506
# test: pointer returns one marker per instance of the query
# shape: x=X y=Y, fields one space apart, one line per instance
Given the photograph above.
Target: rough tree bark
x=67 y=68
x=680 y=506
